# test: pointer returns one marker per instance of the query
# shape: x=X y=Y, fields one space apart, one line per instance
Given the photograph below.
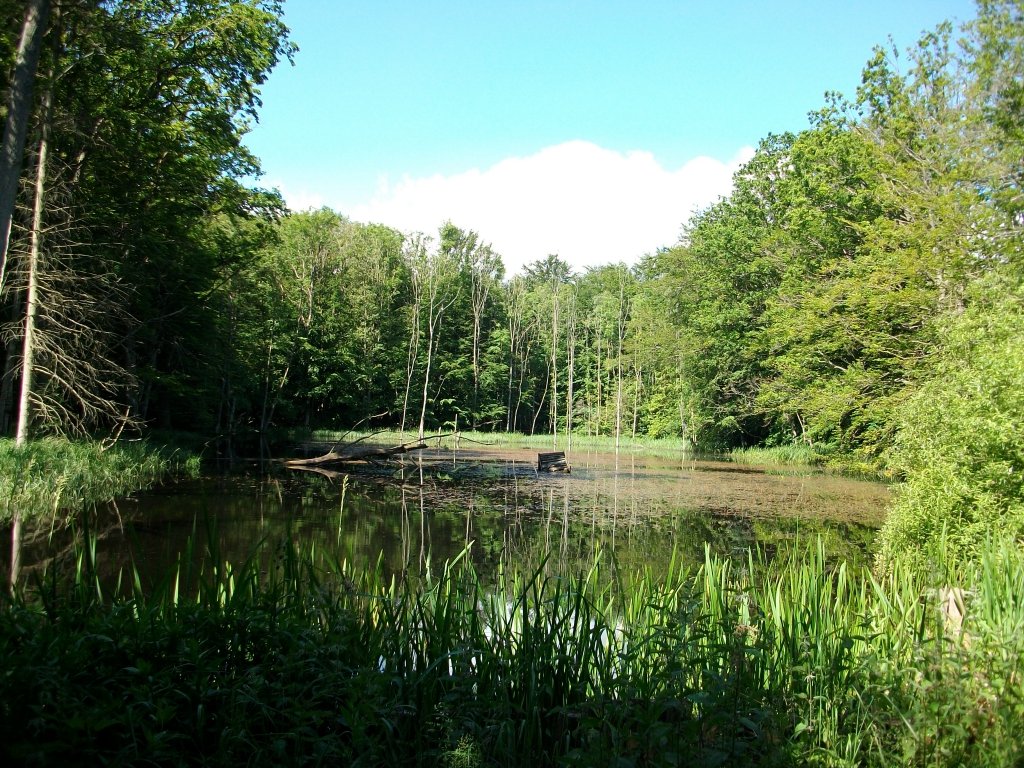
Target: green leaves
x=960 y=445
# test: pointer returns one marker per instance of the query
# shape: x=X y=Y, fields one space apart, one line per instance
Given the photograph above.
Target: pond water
x=638 y=508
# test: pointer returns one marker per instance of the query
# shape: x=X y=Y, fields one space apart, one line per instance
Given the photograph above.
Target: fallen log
x=351 y=456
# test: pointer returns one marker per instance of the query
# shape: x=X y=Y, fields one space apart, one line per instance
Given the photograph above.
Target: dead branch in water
x=351 y=455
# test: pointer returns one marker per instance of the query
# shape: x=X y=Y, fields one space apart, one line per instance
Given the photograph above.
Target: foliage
x=786 y=663
x=151 y=175
x=960 y=444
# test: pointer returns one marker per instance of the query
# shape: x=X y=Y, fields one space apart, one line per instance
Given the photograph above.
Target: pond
x=638 y=509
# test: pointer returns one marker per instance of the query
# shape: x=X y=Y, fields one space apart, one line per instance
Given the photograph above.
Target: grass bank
x=778 y=455
x=539 y=442
x=317 y=662
x=49 y=475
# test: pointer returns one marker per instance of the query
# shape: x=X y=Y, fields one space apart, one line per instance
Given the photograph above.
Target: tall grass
x=52 y=474
x=302 y=659
x=778 y=455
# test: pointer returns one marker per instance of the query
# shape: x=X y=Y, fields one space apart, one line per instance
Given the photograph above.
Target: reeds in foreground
x=309 y=660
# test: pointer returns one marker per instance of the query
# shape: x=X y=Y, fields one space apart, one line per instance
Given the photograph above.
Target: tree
x=415 y=255
x=519 y=334
x=546 y=279
x=19 y=108
x=65 y=304
x=485 y=274
x=722 y=276
x=158 y=159
x=440 y=291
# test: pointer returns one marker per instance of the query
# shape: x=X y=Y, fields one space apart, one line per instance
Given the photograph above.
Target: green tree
x=157 y=159
x=960 y=447
x=722 y=276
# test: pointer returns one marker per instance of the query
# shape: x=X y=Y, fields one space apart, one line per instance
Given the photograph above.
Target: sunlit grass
x=779 y=455
x=50 y=475
x=467 y=439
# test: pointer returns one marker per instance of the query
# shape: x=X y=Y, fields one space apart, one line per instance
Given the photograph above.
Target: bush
x=960 y=444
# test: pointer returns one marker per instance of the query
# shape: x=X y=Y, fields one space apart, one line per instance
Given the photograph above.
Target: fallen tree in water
x=351 y=455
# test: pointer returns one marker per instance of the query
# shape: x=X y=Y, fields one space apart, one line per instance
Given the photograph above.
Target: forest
x=857 y=301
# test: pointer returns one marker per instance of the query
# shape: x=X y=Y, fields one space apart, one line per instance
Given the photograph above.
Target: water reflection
x=638 y=508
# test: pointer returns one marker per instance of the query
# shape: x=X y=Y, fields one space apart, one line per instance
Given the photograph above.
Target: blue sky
x=588 y=129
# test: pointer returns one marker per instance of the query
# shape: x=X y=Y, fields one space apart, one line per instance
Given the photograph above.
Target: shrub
x=960 y=444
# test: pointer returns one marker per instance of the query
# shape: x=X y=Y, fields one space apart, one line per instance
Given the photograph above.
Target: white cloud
x=588 y=204
x=298 y=199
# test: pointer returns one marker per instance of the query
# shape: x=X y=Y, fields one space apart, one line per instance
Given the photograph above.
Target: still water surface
x=638 y=507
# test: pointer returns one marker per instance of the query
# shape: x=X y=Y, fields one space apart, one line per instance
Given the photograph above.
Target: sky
x=592 y=130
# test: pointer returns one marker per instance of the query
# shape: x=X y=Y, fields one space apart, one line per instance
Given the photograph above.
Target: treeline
x=810 y=306
x=338 y=322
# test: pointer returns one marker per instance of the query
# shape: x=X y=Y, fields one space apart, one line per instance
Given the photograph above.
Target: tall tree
x=19 y=108
x=440 y=291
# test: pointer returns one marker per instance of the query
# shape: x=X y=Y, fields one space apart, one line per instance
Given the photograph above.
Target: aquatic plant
x=295 y=657
x=49 y=475
x=777 y=455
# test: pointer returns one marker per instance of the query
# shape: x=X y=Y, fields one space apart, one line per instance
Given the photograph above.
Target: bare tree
x=416 y=258
x=571 y=318
x=69 y=378
x=485 y=271
x=72 y=320
x=440 y=292
x=555 y=286
x=32 y=300
x=518 y=330
x=620 y=326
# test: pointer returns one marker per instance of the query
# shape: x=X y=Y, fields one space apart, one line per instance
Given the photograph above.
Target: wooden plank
x=552 y=461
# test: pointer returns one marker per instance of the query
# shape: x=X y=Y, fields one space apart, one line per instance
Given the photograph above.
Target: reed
x=796 y=454
x=51 y=475
x=295 y=657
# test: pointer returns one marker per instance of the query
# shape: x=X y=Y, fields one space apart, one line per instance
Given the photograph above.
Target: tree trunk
x=638 y=370
x=410 y=362
x=618 y=368
x=570 y=364
x=597 y=375
x=426 y=379
x=19 y=107
x=31 y=308
x=511 y=373
x=554 y=364
x=32 y=304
